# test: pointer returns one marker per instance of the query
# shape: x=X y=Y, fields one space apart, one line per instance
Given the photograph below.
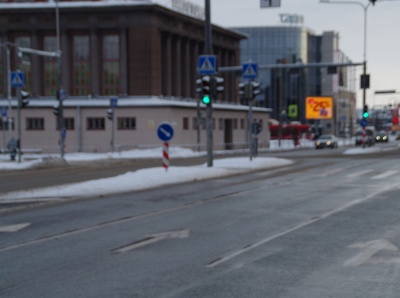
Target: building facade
x=273 y=47
x=132 y=50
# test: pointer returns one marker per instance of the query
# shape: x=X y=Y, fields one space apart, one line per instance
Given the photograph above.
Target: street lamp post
x=364 y=7
x=59 y=94
x=7 y=46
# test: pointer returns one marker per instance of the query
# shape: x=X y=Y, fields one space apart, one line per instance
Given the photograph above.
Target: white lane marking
x=13 y=228
x=331 y=172
x=152 y=239
x=369 y=249
x=385 y=174
x=359 y=173
x=247 y=248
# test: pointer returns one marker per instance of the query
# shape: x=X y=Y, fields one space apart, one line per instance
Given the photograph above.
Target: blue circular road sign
x=165 y=132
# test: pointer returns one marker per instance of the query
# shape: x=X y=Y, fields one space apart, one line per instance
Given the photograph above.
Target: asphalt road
x=323 y=227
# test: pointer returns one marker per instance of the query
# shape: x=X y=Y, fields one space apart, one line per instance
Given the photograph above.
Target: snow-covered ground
x=146 y=178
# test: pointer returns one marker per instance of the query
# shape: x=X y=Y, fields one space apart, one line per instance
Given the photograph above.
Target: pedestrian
x=12 y=148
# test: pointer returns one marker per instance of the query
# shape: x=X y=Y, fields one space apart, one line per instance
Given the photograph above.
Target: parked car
x=382 y=137
x=398 y=135
x=326 y=141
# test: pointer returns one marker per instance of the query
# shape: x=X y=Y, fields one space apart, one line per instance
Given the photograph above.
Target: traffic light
x=206 y=90
x=24 y=98
x=199 y=86
x=365 y=112
x=219 y=85
x=372 y=1
x=56 y=111
x=241 y=90
x=255 y=90
x=110 y=113
x=248 y=91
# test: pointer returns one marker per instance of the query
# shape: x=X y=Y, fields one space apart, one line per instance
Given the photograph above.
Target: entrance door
x=228 y=134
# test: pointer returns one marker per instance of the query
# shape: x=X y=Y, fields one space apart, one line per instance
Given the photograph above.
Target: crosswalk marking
x=385 y=174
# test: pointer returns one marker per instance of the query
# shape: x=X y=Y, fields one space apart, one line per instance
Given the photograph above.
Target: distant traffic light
x=24 y=98
x=110 y=113
x=255 y=90
x=219 y=82
x=241 y=90
x=372 y=1
x=365 y=112
x=56 y=111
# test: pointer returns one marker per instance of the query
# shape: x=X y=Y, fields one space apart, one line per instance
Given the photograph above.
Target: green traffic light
x=206 y=99
x=365 y=115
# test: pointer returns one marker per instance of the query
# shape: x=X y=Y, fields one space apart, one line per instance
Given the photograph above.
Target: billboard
x=319 y=107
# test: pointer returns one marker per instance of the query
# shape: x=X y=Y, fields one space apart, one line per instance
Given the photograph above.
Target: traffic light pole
x=208 y=51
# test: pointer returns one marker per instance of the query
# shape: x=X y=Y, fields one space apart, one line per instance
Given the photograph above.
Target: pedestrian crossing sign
x=17 y=79
x=249 y=70
x=207 y=64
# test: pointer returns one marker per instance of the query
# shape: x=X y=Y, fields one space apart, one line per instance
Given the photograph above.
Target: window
x=235 y=123
x=111 y=65
x=81 y=75
x=242 y=123
x=50 y=66
x=69 y=124
x=185 y=123
x=126 y=123
x=96 y=124
x=34 y=123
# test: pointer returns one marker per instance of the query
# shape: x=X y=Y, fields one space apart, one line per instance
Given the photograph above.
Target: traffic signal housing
x=242 y=90
x=255 y=90
x=206 y=90
x=110 y=113
x=219 y=85
x=372 y=1
x=56 y=111
x=24 y=98
x=365 y=112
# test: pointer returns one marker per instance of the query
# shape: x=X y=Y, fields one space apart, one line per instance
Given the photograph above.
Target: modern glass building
x=282 y=86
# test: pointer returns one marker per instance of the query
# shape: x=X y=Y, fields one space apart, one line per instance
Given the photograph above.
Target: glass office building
x=282 y=86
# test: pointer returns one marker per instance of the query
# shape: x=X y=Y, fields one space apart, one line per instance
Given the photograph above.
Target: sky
x=383 y=42
x=150 y=177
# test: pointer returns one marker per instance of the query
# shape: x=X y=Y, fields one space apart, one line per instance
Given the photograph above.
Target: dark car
x=326 y=141
x=381 y=137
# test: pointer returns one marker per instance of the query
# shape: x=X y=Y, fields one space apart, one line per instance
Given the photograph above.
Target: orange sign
x=318 y=107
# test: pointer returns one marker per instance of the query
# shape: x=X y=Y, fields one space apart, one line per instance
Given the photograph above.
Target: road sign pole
x=250 y=123
x=19 y=123
x=9 y=94
x=112 y=129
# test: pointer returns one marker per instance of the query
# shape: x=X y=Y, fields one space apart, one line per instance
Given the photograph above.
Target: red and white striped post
x=363 y=136
x=165 y=159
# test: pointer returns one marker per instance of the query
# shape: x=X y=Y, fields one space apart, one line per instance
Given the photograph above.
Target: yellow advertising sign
x=318 y=107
